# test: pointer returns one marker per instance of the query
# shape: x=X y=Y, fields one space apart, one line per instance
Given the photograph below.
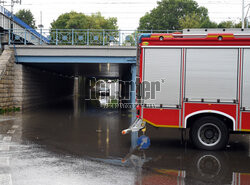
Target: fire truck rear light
x=126 y=131
x=161 y=38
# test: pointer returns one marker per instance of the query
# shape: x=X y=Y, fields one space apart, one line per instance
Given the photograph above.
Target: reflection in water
x=93 y=132
x=208 y=166
x=108 y=102
x=204 y=168
x=171 y=163
x=99 y=140
x=104 y=100
x=107 y=141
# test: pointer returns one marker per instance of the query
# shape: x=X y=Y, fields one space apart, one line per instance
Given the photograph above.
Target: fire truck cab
x=197 y=79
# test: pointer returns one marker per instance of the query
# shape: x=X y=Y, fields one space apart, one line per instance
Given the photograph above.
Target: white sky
x=128 y=12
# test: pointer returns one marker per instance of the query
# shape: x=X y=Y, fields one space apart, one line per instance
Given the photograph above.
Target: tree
x=190 y=21
x=130 y=40
x=195 y=21
x=209 y=24
x=74 y=20
x=174 y=15
x=79 y=23
x=226 y=24
x=27 y=17
x=97 y=21
x=238 y=25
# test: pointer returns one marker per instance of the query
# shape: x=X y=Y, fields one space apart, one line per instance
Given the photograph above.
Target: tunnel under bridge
x=52 y=72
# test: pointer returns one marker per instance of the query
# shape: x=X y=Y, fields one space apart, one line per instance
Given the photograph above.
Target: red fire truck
x=199 y=81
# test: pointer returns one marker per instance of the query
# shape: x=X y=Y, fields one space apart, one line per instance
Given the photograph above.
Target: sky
x=128 y=12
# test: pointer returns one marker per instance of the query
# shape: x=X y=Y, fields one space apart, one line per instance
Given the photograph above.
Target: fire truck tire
x=209 y=133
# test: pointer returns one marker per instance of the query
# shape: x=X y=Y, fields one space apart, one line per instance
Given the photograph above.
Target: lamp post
x=40 y=26
x=243 y=15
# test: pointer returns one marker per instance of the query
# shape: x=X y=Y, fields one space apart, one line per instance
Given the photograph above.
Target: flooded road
x=78 y=143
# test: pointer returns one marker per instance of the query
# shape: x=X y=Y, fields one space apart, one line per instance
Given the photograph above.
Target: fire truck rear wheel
x=209 y=133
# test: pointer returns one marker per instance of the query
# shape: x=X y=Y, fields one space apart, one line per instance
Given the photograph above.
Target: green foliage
x=168 y=13
x=113 y=104
x=196 y=21
x=180 y=14
x=74 y=20
x=79 y=23
x=114 y=101
x=190 y=21
x=12 y=109
x=209 y=24
x=27 y=17
x=226 y=24
x=229 y=24
x=130 y=40
x=238 y=25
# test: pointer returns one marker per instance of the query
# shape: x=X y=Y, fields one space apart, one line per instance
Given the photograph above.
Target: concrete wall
x=33 y=87
x=25 y=87
x=7 y=79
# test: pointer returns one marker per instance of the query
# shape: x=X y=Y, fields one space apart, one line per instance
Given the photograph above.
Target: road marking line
x=11 y=132
x=5 y=179
x=4 y=161
x=7 y=138
x=4 y=147
x=15 y=126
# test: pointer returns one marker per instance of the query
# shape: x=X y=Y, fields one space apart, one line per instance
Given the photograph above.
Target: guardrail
x=25 y=26
x=83 y=36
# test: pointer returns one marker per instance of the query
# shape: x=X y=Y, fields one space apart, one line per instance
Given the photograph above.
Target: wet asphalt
x=75 y=142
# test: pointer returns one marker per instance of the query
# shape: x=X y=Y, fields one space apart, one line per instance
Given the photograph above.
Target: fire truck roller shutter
x=164 y=66
x=211 y=74
x=246 y=80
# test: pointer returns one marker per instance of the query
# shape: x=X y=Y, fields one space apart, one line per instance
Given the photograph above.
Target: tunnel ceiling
x=90 y=70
